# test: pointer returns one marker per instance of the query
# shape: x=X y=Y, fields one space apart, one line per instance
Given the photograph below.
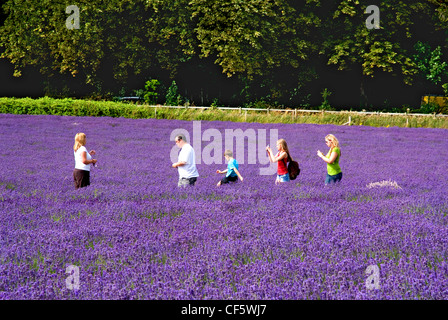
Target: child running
x=232 y=173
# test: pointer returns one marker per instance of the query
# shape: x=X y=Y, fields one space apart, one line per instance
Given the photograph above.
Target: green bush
x=429 y=108
x=74 y=107
x=173 y=98
x=325 y=104
x=151 y=95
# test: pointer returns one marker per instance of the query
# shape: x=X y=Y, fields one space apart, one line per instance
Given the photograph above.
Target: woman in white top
x=83 y=159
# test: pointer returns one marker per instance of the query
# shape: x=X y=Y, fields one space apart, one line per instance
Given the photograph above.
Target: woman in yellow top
x=334 y=172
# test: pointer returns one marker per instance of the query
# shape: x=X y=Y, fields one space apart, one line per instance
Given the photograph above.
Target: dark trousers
x=82 y=178
x=228 y=179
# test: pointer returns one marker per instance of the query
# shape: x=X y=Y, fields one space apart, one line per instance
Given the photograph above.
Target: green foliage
x=258 y=104
x=151 y=91
x=430 y=62
x=116 y=37
x=386 y=49
x=252 y=39
x=325 y=104
x=445 y=89
x=429 y=108
x=72 y=107
x=139 y=93
x=215 y=104
x=173 y=98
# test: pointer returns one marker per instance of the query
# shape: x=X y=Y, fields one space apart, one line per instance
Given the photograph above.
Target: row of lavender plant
x=134 y=234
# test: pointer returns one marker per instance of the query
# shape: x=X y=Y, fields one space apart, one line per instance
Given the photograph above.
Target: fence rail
x=307 y=111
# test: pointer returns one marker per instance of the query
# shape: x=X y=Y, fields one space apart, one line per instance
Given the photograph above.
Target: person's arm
x=282 y=156
x=269 y=151
x=179 y=164
x=85 y=160
x=92 y=152
x=219 y=171
x=182 y=160
x=329 y=160
x=238 y=173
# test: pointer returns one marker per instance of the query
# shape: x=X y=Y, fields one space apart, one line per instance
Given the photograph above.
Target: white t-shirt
x=188 y=170
x=78 y=162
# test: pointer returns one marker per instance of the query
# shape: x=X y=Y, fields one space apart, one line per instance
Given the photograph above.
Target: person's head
x=80 y=140
x=180 y=140
x=331 y=141
x=282 y=145
x=228 y=154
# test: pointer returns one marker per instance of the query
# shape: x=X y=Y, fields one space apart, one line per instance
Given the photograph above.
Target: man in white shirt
x=186 y=164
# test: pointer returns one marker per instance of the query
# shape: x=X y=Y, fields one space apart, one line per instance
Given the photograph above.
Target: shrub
x=325 y=104
x=173 y=98
x=151 y=91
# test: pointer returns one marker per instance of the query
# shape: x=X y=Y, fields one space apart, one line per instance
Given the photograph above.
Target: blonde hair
x=333 y=141
x=228 y=153
x=284 y=146
x=80 y=140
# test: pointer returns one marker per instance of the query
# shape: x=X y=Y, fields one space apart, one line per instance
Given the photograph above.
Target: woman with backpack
x=282 y=157
x=334 y=172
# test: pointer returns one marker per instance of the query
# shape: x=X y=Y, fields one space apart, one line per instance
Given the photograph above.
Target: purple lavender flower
x=134 y=234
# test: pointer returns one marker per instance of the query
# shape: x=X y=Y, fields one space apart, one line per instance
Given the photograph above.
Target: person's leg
x=338 y=177
x=85 y=178
x=77 y=178
x=333 y=179
x=192 y=181
x=283 y=178
x=81 y=178
x=224 y=180
x=182 y=182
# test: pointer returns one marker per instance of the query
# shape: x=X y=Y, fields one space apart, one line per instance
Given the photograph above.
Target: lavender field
x=134 y=234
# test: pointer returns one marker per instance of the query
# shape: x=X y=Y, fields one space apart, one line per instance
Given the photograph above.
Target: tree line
x=234 y=52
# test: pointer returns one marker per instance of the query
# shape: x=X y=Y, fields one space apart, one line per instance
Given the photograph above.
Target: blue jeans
x=329 y=179
x=283 y=178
